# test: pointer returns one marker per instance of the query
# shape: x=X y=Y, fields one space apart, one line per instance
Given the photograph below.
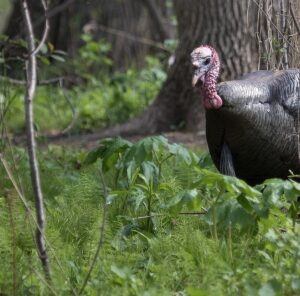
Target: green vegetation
x=173 y=225
x=102 y=98
x=243 y=241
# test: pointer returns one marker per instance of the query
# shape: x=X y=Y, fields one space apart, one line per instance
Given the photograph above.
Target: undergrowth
x=174 y=225
x=89 y=95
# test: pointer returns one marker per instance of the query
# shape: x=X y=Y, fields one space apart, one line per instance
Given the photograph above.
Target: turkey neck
x=211 y=99
x=209 y=88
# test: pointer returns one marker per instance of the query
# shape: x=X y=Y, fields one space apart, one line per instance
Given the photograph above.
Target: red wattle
x=213 y=103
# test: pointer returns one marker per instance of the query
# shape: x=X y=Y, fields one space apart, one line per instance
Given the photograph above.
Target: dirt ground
x=89 y=141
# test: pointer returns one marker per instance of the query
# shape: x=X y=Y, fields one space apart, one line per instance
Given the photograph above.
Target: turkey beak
x=195 y=80
x=199 y=74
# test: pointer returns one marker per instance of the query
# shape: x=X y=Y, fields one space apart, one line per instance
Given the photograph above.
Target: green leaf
x=150 y=171
x=187 y=198
x=270 y=288
x=60 y=52
x=180 y=152
x=58 y=58
x=138 y=197
x=108 y=152
x=131 y=170
x=44 y=60
x=243 y=201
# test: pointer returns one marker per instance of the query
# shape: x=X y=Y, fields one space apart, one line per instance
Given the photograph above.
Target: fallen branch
x=31 y=77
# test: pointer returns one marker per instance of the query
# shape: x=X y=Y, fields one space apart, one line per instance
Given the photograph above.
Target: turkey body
x=259 y=123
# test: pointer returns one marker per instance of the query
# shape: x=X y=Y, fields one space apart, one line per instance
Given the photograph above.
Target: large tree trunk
x=229 y=26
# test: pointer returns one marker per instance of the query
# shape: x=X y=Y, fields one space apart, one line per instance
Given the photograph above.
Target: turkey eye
x=207 y=61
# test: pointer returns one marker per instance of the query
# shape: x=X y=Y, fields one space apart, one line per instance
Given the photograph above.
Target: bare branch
x=46 y=30
x=123 y=34
x=41 y=82
x=31 y=76
x=54 y=11
x=73 y=110
x=274 y=26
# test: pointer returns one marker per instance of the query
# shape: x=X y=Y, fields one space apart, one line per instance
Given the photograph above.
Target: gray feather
x=226 y=161
x=259 y=122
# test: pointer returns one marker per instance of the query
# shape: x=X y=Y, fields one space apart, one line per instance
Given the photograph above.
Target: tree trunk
x=229 y=26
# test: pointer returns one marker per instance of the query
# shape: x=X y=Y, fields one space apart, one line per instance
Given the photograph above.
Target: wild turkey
x=252 y=123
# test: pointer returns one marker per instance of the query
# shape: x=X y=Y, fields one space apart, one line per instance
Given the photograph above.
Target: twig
x=126 y=35
x=13 y=181
x=294 y=18
x=165 y=215
x=275 y=27
x=194 y=213
x=73 y=110
x=102 y=232
x=31 y=75
x=41 y=82
x=48 y=82
x=283 y=27
x=43 y=280
x=54 y=11
x=12 y=222
x=46 y=30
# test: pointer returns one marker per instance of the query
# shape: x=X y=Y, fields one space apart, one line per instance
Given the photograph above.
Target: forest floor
x=90 y=140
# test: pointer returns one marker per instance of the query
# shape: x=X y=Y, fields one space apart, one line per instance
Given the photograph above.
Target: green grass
x=257 y=253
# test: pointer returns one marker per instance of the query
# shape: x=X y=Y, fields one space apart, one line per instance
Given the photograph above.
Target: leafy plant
x=174 y=224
